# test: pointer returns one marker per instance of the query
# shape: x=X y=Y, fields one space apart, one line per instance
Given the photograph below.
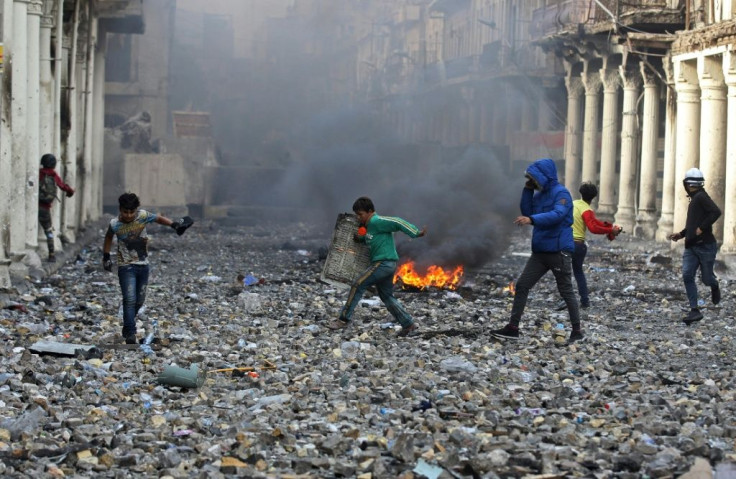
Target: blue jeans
x=703 y=256
x=381 y=274
x=578 y=257
x=133 y=283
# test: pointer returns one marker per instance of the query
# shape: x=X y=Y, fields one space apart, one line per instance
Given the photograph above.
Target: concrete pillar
x=98 y=132
x=33 y=124
x=592 y=82
x=68 y=218
x=687 y=148
x=665 y=226
x=46 y=109
x=728 y=248
x=713 y=121
x=46 y=120
x=19 y=100
x=625 y=213
x=6 y=144
x=646 y=218
x=573 y=133
x=86 y=181
x=607 y=194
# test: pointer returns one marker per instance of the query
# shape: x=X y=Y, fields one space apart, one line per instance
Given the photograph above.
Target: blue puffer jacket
x=550 y=210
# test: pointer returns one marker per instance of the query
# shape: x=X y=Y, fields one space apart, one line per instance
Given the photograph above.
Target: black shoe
x=693 y=317
x=561 y=307
x=507 y=332
x=575 y=336
x=131 y=339
x=715 y=294
x=408 y=331
x=52 y=258
x=584 y=306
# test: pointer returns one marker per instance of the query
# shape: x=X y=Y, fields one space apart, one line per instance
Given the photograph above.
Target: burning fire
x=511 y=288
x=434 y=277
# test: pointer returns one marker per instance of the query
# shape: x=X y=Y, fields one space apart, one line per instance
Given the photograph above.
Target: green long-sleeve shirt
x=380 y=236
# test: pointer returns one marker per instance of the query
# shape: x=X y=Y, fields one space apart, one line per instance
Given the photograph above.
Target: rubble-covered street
x=643 y=396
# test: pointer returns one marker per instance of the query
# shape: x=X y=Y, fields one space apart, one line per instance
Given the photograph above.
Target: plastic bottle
x=146 y=346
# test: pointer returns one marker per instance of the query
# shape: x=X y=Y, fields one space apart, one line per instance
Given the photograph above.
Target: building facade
x=628 y=95
x=52 y=90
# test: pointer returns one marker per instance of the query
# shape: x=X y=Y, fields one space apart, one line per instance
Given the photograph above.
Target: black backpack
x=47 y=189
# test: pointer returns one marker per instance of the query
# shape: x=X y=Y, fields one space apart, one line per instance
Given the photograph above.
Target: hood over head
x=544 y=173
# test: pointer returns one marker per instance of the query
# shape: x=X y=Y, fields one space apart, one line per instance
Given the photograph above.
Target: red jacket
x=59 y=182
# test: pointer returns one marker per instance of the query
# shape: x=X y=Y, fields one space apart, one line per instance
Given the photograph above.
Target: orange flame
x=511 y=288
x=434 y=277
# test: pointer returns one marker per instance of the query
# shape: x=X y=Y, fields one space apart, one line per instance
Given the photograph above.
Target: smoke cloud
x=461 y=195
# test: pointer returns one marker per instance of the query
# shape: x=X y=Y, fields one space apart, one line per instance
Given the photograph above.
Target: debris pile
x=242 y=376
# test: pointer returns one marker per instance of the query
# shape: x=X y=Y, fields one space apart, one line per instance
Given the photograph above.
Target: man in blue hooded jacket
x=547 y=206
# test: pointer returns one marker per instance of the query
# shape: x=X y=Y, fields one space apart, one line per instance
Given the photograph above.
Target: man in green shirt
x=378 y=233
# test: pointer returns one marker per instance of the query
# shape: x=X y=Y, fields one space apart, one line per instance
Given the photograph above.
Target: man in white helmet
x=700 y=244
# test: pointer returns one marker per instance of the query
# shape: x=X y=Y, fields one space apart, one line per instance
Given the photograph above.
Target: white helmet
x=694 y=177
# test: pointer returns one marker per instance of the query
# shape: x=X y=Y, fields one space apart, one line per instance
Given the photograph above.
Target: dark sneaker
x=51 y=258
x=337 y=324
x=715 y=294
x=407 y=331
x=561 y=306
x=576 y=336
x=584 y=306
x=692 y=317
x=131 y=339
x=507 y=332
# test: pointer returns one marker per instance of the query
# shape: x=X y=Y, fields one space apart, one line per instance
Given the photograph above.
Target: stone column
x=592 y=83
x=98 y=133
x=68 y=218
x=646 y=218
x=625 y=214
x=607 y=195
x=46 y=109
x=713 y=121
x=46 y=121
x=728 y=249
x=87 y=181
x=33 y=124
x=573 y=133
x=19 y=113
x=6 y=144
x=665 y=226
x=687 y=148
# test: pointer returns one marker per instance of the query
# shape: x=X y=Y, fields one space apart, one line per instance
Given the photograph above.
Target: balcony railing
x=562 y=16
x=567 y=15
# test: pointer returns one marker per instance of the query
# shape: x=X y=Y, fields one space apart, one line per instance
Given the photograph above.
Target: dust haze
x=277 y=105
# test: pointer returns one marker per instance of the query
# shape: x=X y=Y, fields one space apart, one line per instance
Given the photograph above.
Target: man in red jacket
x=584 y=219
x=48 y=181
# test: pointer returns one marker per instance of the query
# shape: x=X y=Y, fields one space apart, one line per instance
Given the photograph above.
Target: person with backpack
x=49 y=181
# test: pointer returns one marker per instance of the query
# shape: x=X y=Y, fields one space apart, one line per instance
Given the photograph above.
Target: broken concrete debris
x=258 y=387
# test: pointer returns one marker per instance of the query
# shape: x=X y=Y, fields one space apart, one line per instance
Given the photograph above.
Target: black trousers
x=537 y=266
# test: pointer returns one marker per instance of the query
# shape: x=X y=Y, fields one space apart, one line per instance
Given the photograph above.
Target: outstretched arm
x=597 y=226
x=63 y=186
x=179 y=225
x=162 y=220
